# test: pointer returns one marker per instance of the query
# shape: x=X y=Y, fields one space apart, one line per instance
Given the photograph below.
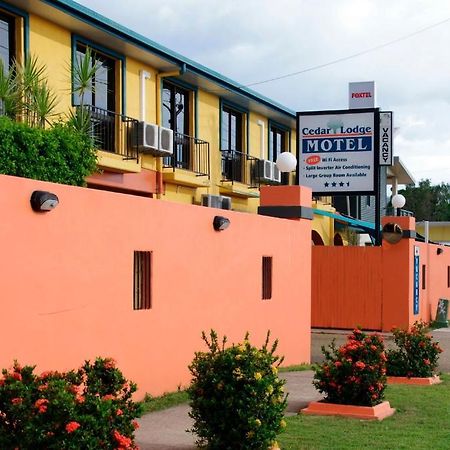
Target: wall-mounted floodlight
x=221 y=223
x=392 y=233
x=439 y=251
x=42 y=201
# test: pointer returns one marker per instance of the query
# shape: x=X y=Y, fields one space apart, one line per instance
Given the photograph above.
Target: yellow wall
x=51 y=44
x=438 y=232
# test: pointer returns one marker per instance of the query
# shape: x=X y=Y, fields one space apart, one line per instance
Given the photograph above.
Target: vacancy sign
x=336 y=151
x=386 y=138
x=361 y=95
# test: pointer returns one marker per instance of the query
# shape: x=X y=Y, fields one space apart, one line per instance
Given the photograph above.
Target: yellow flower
x=241 y=348
x=250 y=434
x=283 y=423
x=269 y=389
x=238 y=357
x=257 y=422
x=274 y=370
x=257 y=376
x=220 y=385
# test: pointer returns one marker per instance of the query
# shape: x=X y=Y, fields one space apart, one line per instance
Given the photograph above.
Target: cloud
x=255 y=40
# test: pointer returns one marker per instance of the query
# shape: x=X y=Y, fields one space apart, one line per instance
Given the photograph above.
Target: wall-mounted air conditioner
x=226 y=202
x=216 y=201
x=276 y=174
x=148 y=137
x=264 y=170
x=165 y=141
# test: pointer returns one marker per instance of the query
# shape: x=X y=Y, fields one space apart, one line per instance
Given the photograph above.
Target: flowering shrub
x=237 y=400
x=416 y=354
x=355 y=373
x=90 y=408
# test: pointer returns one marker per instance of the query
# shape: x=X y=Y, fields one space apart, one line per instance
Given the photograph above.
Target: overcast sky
x=255 y=40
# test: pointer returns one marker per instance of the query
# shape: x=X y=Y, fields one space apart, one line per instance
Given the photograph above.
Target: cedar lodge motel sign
x=340 y=152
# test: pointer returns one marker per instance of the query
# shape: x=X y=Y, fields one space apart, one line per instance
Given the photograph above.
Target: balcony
x=189 y=154
x=241 y=168
x=113 y=133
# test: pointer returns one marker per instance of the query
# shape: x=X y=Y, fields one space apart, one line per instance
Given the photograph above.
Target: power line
x=354 y=55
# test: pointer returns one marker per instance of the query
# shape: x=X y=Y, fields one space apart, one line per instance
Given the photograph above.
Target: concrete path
x=165 y=430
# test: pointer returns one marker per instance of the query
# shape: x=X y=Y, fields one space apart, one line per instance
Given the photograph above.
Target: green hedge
x=59 y=154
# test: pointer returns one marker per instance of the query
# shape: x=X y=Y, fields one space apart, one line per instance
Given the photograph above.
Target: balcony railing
x=390 y=211
x=240 y=167
x=190 y=154
x=112 y=132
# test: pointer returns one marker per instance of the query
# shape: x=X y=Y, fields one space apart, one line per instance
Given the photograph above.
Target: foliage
x=355 y=373
x=167 y=400
x=420 y=423
x=60 y=154
x=25 y=94
x=236 y=398
x=427 y=201
x=416 y=354
x=90 y=408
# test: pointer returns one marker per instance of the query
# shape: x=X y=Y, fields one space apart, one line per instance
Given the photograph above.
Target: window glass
x=7 y=44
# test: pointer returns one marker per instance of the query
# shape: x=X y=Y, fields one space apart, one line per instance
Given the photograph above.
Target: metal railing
x=391 y=211
x=189 y=153
x=112 y=132
x=240 y=167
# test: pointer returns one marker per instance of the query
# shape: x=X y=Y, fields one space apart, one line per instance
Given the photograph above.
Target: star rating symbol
x=341 y=184
x=327 y=184
x=333 y=184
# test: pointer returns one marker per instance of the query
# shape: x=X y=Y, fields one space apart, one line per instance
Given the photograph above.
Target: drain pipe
x=160 y=76
x=262 y=125
x=144 y=76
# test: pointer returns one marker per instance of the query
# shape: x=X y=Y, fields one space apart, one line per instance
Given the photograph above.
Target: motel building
x=166 y=240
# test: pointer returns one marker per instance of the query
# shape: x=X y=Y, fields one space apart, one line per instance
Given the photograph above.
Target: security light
x=221 y=223
x=43 y=201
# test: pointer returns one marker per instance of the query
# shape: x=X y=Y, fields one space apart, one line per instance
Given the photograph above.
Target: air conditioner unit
x=148 y=137
x=263 y=169
x=226 y=202
x=212 y=201
x=276 y=174
x=165 y=141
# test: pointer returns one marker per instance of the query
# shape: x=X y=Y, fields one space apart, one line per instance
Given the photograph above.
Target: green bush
x=59 y=154
x=237 y=400
x=90 y=408
x=355 y=373
x=416 y=354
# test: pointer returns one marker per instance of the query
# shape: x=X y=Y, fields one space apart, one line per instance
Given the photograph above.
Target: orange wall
x=373 y=286
x=67 y=278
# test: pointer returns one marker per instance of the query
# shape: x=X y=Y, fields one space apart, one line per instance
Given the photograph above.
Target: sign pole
x=377 y=179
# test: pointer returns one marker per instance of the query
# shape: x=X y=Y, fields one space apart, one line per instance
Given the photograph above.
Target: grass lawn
x=421 y=421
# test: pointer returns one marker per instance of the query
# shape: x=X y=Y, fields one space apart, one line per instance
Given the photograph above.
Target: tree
x=427 y=201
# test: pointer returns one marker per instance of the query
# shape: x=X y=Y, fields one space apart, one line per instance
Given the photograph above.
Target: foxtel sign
x=336 y=151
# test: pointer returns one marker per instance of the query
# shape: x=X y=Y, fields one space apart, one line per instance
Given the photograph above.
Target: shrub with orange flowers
x=90 y=408
x=416 y=355
x=355 y=373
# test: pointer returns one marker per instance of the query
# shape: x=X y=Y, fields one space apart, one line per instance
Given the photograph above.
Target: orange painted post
x=398 y=275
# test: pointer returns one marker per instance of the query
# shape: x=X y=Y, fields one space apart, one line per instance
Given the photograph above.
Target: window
x=267 y=277
x=7 y=39
x=103 y=92
x=277 y=145
x=175 y=115
x=142 y=280
x=231 y=130
x=424 y=276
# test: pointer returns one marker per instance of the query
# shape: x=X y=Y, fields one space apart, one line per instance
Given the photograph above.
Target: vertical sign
x=386 y=138
x=416 y=280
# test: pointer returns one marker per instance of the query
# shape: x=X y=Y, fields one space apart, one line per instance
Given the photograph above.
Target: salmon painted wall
x=374 y=286
x=67 y=282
